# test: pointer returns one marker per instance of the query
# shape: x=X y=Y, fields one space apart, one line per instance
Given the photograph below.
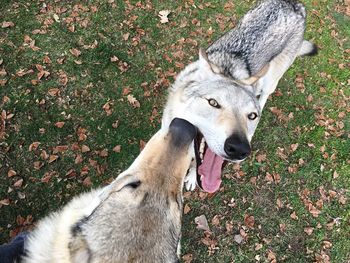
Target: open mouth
x=209 y=165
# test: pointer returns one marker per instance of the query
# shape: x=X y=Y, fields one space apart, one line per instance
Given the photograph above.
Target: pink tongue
x=210 y=169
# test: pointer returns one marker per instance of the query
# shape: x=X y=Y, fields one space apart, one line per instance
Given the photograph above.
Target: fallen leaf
x=85 y=148
x=59 y=124
x=11 y=173
x=4 y=202
x=126 y=36
x=7 y=24
x=78 y=159
x=134 y=102
x=294 y=216
x=37 y=165
x=308 y=230
x=258 y=246
x=56 y=17
x=202 y=222
x=33 y=146
x=215 y=221
x=54 y=92
x=52 y=158
x=104 y=153
x=187 y=258
x=87 y=182
x=187 y=209
x=117 y=148
x=163 y=15
x=75 y=52
x=249 y=221
x=294 y=147
x=238 y=239
x=271 y=256
x=18 y=183
x=60 y=149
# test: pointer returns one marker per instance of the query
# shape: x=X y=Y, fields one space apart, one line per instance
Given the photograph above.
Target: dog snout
x=237 y=148
x=182 y=132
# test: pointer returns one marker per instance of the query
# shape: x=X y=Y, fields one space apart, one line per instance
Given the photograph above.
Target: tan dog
x=137 y=218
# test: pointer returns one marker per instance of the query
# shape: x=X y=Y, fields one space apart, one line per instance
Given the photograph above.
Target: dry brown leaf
x=71 y=173
x=249 y=221
x=85 y=148
x=187 y=209
x=238 y=239
x=294 y=147
x=78 y=159
x=52 y=158
x=75 y=52
x=142 y=144
x=308 y=230
x=33 y=146
x=258 y=246
x=87 y=182
x=163 y=15
x=134 y=102
x=54 y=92
x=59 y=124
x=294 y=216
x=11 y=173
x=37 y=165
x=60 y=149
x=4 y=202
x=215 y=221
x=126 y=36
x=202 y=222
x=7 y=24
x=18 y=183
x=187 y=258
x=104 y=153
x=117 y=148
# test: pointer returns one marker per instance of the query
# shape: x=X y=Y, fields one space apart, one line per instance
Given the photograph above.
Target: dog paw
x=190 y=180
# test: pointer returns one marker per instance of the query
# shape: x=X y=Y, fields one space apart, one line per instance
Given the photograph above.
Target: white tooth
x=201 y=147
x=201 y=156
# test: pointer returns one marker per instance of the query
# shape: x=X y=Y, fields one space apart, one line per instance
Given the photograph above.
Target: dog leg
x=268 y=83
x=191 y=177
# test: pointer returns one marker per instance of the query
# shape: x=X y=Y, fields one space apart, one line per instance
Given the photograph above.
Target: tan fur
x=121 y=223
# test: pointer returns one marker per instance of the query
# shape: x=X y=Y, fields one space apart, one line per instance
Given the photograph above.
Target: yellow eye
x=252 y=116
x=214 y=103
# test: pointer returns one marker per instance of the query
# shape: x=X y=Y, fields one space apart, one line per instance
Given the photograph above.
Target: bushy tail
x=308 y=49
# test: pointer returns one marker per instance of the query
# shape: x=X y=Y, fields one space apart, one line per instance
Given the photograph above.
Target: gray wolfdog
x=137 y=218
x=223 y=93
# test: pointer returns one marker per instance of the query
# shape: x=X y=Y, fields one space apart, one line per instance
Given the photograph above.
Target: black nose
x=182 y=132
x=236 y=147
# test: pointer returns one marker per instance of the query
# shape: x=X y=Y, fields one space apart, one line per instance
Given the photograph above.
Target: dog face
x=143 y=206
x=225 y=112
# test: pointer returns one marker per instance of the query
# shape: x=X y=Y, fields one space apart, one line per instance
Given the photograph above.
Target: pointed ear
x=79 y=250
x=251 y=80
x=205 y=61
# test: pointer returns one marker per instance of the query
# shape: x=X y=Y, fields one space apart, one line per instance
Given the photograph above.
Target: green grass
x=94 y=80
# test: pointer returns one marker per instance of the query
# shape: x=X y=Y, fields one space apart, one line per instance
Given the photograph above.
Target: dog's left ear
x=205 y=61
x=251 y=80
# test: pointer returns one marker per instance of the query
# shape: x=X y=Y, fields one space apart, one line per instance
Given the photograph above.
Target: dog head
x=225 y=112
x=139 y=216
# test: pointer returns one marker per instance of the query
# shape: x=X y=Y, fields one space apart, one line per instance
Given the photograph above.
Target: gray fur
x=263 y=33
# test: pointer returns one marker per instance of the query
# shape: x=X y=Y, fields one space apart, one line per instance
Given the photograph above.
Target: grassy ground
x=82 y=86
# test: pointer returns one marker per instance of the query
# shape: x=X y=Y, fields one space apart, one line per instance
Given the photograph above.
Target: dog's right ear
x=203 y=58
x=79 y=250
x=253 y=79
